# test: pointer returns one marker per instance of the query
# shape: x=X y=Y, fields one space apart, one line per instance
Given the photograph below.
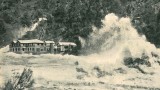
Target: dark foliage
x=20 y=82
x=68 y=19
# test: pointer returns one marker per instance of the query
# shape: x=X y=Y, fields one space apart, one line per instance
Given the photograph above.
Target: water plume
x=116 y=40
x=23 y=30
x=108 y=47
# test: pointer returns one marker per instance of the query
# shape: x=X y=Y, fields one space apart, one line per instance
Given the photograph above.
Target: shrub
x=20 y=82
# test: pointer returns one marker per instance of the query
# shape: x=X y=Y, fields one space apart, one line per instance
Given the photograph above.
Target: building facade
x=36 y=46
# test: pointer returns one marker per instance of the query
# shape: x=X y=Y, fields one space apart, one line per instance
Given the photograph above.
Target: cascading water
x=116 y=40
x=106 y=47
x=23 y=30
x=106 y=50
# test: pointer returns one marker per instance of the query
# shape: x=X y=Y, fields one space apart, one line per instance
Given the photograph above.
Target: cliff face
x=68 y=19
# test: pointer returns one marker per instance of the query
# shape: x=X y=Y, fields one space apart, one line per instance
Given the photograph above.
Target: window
x=22 y=49
x=38 y=49
x=65 y=47
x=32 y=49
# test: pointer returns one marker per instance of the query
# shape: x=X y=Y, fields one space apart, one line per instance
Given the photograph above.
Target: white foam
x=117 y=36
x=23 y=30
x=106 y=48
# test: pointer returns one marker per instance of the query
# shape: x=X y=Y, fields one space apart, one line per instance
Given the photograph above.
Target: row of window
x=28 y=49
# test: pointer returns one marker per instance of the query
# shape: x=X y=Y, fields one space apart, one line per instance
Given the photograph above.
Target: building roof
x=31 y=41
x=49 y=42
x=14 y=41
x=39 y=41
x=67 y=43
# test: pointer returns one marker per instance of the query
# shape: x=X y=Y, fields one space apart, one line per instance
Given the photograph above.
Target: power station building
x=36 y=46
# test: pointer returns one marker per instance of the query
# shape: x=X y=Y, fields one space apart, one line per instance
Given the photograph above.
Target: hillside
x=69 y=19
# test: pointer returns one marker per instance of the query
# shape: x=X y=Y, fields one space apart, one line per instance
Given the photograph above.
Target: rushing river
x=105 y=49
